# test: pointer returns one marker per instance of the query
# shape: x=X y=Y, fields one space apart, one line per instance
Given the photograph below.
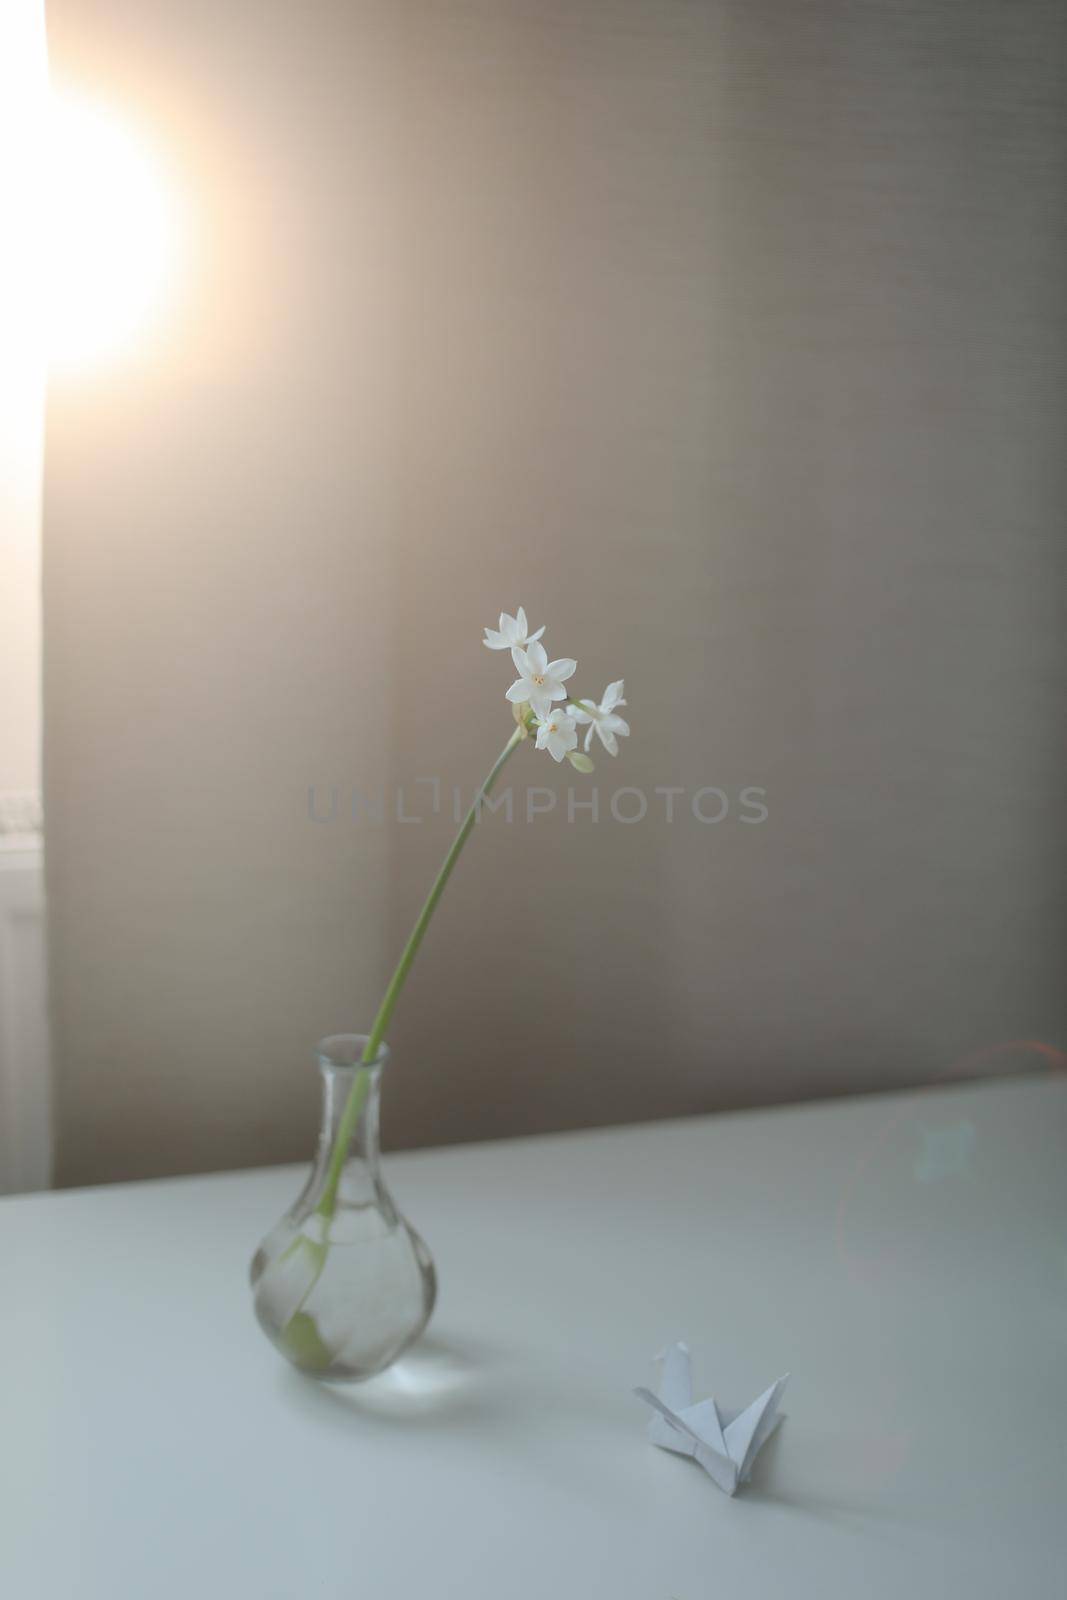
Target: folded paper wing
x=675 y=1387
x=725 y=1443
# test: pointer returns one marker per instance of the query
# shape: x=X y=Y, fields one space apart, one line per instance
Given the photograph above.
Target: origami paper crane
x=725 y=1443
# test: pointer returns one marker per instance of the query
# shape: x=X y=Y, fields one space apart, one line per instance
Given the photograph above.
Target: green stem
x=349 y=1117
x=385 y=1010
x=361 y=1084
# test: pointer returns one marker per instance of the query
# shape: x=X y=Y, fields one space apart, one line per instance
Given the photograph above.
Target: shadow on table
x=442 y=1381
x=829 y=1504
x=453 y=1381
x=500 y=1398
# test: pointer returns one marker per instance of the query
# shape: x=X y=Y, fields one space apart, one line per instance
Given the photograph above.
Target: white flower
x=603 y=719
x=513 y=633
x=541 y=681
x=557 y=734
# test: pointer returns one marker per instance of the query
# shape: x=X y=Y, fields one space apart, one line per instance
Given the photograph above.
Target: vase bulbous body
x=343 y=1284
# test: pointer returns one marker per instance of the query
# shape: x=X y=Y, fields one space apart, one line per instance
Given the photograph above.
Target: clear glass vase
x=343 y=1284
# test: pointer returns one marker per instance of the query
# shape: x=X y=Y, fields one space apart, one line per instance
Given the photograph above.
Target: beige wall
x=722 y=336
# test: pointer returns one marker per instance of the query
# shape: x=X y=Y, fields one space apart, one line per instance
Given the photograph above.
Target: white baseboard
x=25 y=1056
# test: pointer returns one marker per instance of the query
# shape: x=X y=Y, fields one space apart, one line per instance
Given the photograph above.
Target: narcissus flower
x=602 y=719
x=512 y=635
x=317 y=1340
x=540 y=681
x=557 y=734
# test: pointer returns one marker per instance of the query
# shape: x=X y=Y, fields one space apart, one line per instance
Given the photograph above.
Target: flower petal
x=536 y=661
x=494 y=640
x=615 y=724
x=562 y=669
x=607 y=739
x=522 y=661
x=613 y=696
x=578 y=713
x=535 y=636
x=539 y=700
x=520 y=624
x=519 y=691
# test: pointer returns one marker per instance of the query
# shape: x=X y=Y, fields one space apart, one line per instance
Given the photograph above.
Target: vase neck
x=342 y=1072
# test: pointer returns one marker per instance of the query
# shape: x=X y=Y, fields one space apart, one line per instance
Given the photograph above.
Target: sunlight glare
x=112 y=234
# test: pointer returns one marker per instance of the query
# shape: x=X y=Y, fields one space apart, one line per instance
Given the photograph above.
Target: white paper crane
x=725 y=1443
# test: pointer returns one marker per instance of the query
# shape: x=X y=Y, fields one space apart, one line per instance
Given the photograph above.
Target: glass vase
x=343 y=1284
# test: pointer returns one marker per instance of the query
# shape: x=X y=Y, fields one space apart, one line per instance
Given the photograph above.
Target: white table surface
x=903 y=1256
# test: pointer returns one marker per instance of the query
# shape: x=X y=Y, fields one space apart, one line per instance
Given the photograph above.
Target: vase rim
x=344 y=1052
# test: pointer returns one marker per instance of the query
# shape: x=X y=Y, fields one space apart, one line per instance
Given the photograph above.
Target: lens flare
x=112 y=233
